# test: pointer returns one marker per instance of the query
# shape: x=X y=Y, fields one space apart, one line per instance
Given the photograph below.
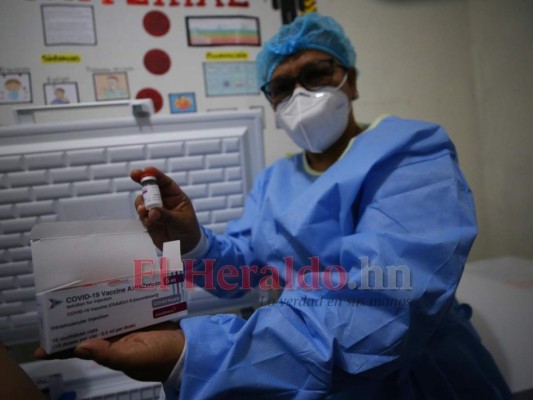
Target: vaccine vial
x=150 y=191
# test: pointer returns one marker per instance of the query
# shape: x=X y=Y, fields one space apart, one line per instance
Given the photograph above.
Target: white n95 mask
x=315 y=120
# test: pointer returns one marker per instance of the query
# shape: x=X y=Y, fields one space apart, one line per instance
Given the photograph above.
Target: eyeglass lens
x=312 y=76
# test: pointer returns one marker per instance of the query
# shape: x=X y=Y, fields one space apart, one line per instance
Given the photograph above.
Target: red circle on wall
x=157 y=61
x=149 y=93
x=156 y=23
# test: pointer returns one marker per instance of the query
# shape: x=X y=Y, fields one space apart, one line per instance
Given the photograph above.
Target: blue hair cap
x=311 y=31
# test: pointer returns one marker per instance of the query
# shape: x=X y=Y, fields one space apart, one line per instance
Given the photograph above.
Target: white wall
x=415 y=61
x=502 y=49
x=466 y=64
x=463 y=63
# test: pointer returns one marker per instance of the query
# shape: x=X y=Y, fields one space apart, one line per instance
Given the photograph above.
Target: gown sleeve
x=415 y=223
x=234 y=248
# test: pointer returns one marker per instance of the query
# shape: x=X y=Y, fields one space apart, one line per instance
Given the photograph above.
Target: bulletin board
x=70 y=51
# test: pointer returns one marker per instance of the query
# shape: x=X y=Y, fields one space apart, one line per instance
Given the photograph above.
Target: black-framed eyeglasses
x=312 y=76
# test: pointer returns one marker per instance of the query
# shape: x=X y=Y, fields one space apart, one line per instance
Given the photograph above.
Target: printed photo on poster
x=61 y=93
x=230 y=78
x=72 y=25
x=111 y=86
x=15 y=88
x=223 y=31
x=182 y=102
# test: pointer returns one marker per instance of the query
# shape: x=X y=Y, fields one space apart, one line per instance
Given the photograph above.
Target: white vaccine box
x=85 y=281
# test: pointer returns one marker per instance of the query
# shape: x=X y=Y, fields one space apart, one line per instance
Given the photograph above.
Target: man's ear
x=352 y=82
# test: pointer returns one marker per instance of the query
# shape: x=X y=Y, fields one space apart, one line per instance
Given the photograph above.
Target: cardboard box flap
x=84 y=252
x=50 y=230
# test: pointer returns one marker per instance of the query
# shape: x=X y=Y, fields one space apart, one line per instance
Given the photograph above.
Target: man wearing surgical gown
x=357 y=203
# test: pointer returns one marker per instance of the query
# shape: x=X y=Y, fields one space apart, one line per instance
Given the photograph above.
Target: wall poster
x=72 y=25
x=111 y=86
x=61 y=93
x=223 y=31
x=182 y=102
x=15 y=88
x=230 y=78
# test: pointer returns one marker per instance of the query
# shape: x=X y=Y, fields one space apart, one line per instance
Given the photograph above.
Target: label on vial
x=151 y=196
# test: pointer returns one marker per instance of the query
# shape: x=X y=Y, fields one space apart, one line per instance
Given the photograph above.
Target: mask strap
x=343 y=81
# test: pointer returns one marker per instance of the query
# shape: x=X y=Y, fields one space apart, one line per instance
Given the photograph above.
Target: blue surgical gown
x=395 y=201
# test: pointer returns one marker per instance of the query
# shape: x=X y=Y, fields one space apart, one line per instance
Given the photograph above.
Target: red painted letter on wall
x=201 y=3
x=137 y=2
x=235 y=3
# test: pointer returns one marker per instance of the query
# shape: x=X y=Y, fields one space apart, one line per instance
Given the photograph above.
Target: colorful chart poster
x=223 y=31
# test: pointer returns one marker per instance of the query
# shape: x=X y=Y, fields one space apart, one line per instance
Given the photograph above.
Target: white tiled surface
x=89 y=381
x=75 y=176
